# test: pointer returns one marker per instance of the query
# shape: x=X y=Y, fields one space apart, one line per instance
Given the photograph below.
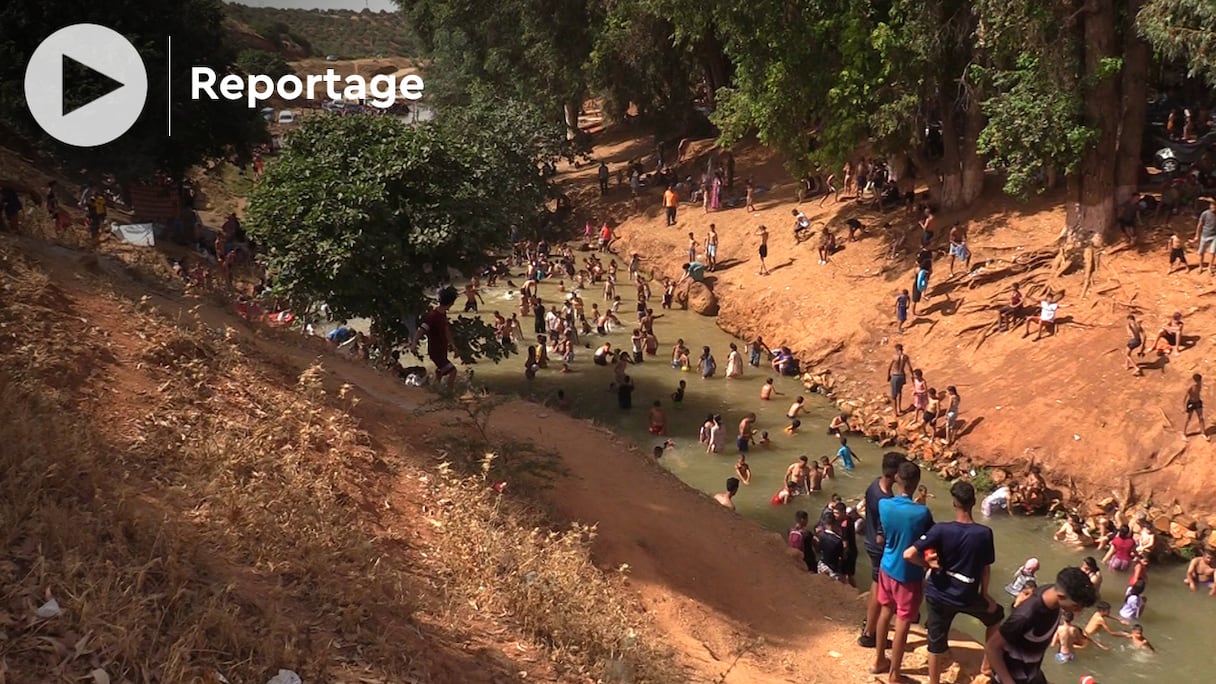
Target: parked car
x=1172 y=156
x=267 y=113
x=287 y=117
x=331 y=58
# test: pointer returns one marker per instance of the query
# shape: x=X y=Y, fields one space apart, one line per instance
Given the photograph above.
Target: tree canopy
x=367 y=214
x=272 y=64
x=1183 y=30
x=200 y=129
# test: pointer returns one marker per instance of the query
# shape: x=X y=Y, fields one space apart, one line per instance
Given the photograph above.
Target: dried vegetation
x=194 y=517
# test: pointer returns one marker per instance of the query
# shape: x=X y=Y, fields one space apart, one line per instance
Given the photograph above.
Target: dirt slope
x=1065 y=402
x=722 y=592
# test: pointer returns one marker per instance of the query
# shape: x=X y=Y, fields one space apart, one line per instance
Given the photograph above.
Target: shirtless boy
x=725 y=498
x=1135 y=340
x=1097 y=623
x=744 y=439
x=743 y=470
x=1138 y=640
x=799 y=473
x=1194 y=406
x=1171 y=333
x=658 y=419
x=1202 y=572
x=1177 y=253
x=767 y=390
x=897 y=374
x=795 y=408
x=1067 y=638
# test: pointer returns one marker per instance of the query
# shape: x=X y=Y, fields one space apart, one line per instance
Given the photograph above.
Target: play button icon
x=109 y=61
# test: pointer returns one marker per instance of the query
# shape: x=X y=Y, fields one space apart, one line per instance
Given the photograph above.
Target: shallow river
x=1178 y=622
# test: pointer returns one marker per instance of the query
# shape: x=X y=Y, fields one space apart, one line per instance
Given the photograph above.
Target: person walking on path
x=603 y=177
x=900 y=586
x=1194 y=407
x=1015 y=651
x=959 y=556
x=1205 y=235
x=897 y=375
x=438 y=335
x=763 y=233
x=958 y=248
x=875 y=540
x=671 y=203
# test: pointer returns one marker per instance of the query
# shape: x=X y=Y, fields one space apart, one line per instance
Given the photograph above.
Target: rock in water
x=702 y=299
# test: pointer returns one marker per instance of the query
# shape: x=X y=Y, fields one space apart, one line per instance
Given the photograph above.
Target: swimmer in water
x=799 y=473
x=795 y=408
x=1202 y=571
x=1028 y=590
x=726 y=498
x=658 y=419
x=1068 y=637
x=1138 y=639
x=768 y=390
x=793 y=427
x=743 y=470
x=1097 y=623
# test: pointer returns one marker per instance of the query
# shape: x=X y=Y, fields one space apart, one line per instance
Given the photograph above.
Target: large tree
x=821 y=81
x=1068 y=95
x=532 y=50
x=367 y=214
x=200 y=129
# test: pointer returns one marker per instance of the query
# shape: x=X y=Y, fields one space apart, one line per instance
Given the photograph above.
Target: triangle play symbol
x=72 y=69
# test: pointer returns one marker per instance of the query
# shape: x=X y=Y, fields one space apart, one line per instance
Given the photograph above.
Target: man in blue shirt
x=959 y=556
x=900 y=583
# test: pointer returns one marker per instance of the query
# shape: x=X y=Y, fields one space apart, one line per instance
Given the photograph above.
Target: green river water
x=1176 y=620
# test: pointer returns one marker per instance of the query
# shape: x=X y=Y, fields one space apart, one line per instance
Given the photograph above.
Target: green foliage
x=1032 y=125
x=200 y=129
x=531 y=50
x=345 y=33
x=367 y=213
x=262 y=62
x=1183 y=30
x=635 y=61
x=982 y=480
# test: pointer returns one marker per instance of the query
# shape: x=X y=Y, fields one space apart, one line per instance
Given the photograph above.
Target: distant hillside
x=318 y=33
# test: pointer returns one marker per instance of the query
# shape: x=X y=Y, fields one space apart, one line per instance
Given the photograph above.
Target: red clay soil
x=1065 y=402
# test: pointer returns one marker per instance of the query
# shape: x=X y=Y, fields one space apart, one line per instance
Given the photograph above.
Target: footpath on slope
x=1065 y=402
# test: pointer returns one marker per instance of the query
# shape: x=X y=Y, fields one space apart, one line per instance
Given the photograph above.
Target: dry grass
x=194 y=517
x=186 y=538
x=502 y=558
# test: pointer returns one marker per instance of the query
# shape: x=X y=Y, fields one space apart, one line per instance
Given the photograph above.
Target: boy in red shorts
x=900 y=586
x=438 y=337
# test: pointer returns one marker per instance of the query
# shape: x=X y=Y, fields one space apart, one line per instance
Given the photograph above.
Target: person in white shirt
x=1047 y=315
x=802 y=225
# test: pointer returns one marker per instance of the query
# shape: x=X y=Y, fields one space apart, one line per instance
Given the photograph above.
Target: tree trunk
x=570 y=114
x=961 y=167
x=1135 y=106
x=1093 y=187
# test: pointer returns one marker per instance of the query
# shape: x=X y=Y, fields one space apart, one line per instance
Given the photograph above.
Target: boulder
x=702 y=299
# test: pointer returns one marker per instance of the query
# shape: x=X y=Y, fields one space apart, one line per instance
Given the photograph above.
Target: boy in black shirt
x=1016 y=650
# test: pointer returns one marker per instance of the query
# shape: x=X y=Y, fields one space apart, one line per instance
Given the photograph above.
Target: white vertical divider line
x=169 y=84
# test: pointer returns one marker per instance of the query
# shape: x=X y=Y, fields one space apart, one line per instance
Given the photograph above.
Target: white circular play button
x=110 y=60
